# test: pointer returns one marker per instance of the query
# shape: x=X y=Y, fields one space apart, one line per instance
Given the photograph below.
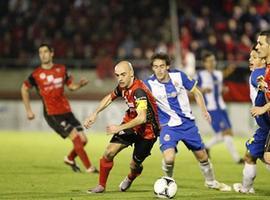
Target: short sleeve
x=140 y=99
x=254 y=79
x=147 y=84
x=254 y=76
x=68 y=77
x=188 y=82
x=30 y=81
x=116 y=93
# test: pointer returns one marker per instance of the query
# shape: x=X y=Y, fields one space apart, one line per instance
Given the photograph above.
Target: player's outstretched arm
x=26 y=102
x=106 y=101
x=139 y=119
x=200 y=101
x=75 y=86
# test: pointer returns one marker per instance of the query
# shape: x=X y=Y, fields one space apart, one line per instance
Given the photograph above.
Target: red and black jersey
x=267 y=80
x=50 y=85
x=134 y=96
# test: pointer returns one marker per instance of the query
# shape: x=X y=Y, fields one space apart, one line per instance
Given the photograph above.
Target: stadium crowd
x=90 y=29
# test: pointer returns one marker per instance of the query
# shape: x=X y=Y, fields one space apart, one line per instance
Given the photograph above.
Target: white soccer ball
x=165 y=187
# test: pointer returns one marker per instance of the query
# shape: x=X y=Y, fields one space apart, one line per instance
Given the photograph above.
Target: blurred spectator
x=78 y=29
x=128 y=45
x=105 y=66
x=188 y=62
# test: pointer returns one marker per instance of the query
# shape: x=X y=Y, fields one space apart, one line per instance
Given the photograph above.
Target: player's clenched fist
x=30 y=115
x=83 y=81
x=90 y=120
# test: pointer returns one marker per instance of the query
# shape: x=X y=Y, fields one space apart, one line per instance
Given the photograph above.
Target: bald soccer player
x=139 y=128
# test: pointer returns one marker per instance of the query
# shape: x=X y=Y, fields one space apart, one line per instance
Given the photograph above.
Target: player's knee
x=227 y=132
x=84 y=139
x=249 y=159
x=109 y=154
x=202 y=156
x=169 y=160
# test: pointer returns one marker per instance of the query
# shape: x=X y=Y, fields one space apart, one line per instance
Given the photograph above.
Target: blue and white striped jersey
x=172 y=98
x=253 y=83
x=213 y=81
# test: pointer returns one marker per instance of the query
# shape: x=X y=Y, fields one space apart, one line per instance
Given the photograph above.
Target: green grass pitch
x=31 y=167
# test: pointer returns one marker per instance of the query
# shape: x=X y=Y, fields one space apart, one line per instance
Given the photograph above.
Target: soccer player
x=49 y=79
x=255 y=145
x=263 y=47
x=140 y=126
x=170 y=88
x=210 y=83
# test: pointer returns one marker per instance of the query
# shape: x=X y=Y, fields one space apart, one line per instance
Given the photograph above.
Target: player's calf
x=167 y=168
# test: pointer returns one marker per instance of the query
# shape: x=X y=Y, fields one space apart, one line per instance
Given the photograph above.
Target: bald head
x=124 y=65
x=124 y=73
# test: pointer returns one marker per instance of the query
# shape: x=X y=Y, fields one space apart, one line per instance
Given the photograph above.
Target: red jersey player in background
x=140 y=126
x=263 y=48
x=49 y=80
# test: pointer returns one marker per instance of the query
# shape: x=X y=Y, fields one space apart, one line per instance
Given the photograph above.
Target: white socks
x=167 y=169
x=207 y=170
x=228 y=140
x=217 y=138
x=249 y=174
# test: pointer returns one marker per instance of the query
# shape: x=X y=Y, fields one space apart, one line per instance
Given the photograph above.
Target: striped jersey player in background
x=210 y=82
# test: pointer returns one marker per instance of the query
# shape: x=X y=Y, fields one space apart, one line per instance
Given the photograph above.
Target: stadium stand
x=83 y=31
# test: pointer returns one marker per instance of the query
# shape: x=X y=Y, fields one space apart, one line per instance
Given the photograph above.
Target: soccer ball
x=165 y=187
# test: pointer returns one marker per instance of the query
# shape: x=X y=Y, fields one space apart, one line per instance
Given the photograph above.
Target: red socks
x=79 y=150
x=72 y=155
x=135 y=172
x=105 y=168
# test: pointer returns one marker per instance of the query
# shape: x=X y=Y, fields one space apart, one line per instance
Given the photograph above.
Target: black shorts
x=142 y=147
x=63 y=124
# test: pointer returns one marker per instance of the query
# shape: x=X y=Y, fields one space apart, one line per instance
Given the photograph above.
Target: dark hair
x=207 y=54
x=161 y=56
x=254 y=47
x=267 y=34
x=46 y=45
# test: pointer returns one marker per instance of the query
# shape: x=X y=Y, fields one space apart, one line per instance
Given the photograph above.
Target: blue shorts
x=170 y=136
x=255 y=145
x=220 y=120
